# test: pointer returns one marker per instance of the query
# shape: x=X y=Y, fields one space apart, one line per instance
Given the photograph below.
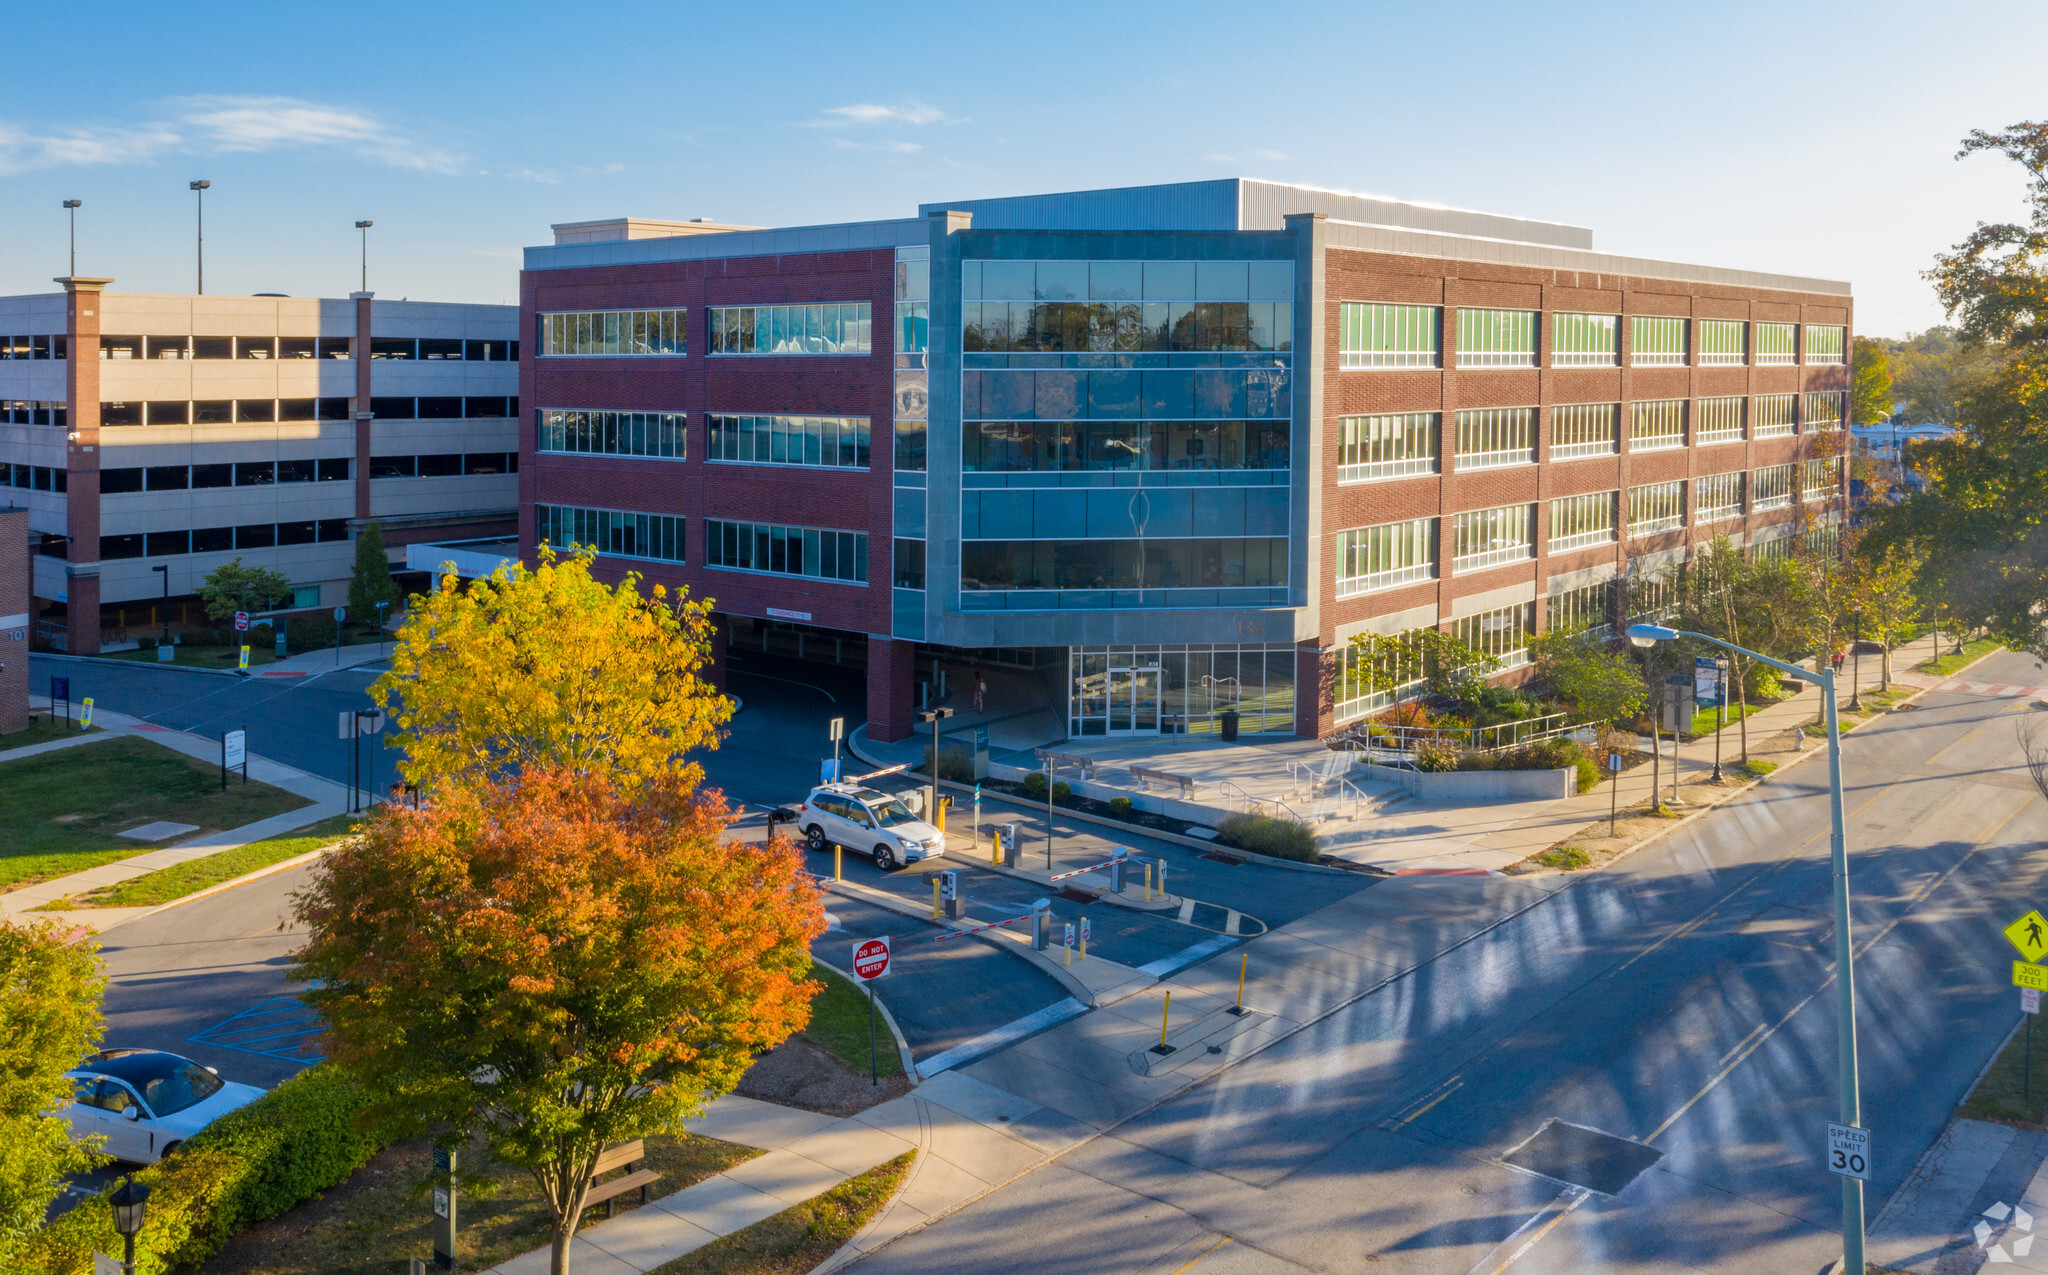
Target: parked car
x=867 y=821
x=145 y=1101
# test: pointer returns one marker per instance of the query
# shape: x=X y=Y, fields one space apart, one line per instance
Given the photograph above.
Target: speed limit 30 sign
x=871 y=958
x=1849 y=1151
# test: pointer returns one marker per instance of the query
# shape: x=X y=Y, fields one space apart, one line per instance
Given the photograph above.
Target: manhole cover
x=1583 y=1157
x=1232 y=860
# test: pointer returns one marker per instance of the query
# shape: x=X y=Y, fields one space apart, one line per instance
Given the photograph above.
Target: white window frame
x=1660 y=413
x=1708 y=426
x=1639 y=324
x=1480 y=633
x=1710 y=501
x=1710 y=330
x=1361 y=436
x=1494 y=438
x=1493 y=528
x=604 y=432
x=1763 y=480
x=1585 y=520
x=614 y=334
x=1814 y=465
x=1763 y=414
x=1656 y=507
x=792 y=324
x=1385 y=556
x=1497 y=338
x=1581 y=331
x=1383 y=334
x=1827 y=344
x=1775 y=334
x=1588 y=434
x=1822 y=409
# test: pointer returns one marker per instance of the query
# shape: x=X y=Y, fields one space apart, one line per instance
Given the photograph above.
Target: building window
x=1495 y=436
x=1652 y=596
x=1126 y=306
x=1776 y=549
x=994 y=566
x=1502 y=634
x=1717 y=497
x=661 y=435
x=1354 y=696
x=1825 y=344
x=1820 y=479
x=1770 y=488
x=791 y=551
x=1491 y=537
x=838 y=442
x=1656 y=426
x=1586 y=609
x=1584 y=429
x=1370 y=558
x=1774 y=414
x=1655 y=507
x=1824 y=409
x=1387 y=446
x=1496 y=338
x=1372 y=335
x=837 y=328
x=994 y=447
x=1585 y=340
x=305 y=596
x=1656 y=342
x=116 y=481
x=1777 y=343
x=1720 y=420
x=1723 y=342
x=910 y=564
x=1579 y=522
x=614 y=533
x=1196 y=685
x=609 y=333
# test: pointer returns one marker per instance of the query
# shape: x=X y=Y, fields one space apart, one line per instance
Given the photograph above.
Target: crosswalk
x=1957 y=686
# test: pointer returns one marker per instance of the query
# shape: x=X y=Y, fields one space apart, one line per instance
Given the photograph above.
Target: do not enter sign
x=871 y=958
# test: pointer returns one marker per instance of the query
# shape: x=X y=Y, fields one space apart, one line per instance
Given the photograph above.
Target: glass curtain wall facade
x=1147 y=690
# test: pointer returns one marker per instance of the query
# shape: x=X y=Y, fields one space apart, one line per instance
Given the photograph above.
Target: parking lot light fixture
x=130 y=1202
x=1648 y=635
x=935 y=716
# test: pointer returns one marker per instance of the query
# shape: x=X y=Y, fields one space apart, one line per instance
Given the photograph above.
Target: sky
x=1812 y=139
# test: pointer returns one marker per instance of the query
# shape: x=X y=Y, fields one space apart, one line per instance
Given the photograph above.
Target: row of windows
x=613 y=532
x=794 y=551
x=23 y=411
x=444 y=465
x=180 y=348
x=1397 y=336
x=1397 y=553
x=1006 y=565
x=1402 y=444
x=39 y=346
x=224 y=411
x=1043 y=446
x=839 y=442
x=1125 y=327
x=262 y=535
x=1127 y=280
x=615 y=332
x=604 y=433
x=837 y=328
x=33 y=477
x=248 y=473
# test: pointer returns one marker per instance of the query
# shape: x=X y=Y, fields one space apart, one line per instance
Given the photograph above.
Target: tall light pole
x=199 y=189
x=364 y=226
x=935 y=716
x=1649 y=635
x=71 y=205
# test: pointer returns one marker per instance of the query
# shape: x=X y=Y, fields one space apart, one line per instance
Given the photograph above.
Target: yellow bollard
x=1148 y=883
x=995 y=848
x=1244 y=962
x=1164 y=1011
x=936 y=910
x=837 y=875
x=1084 y=949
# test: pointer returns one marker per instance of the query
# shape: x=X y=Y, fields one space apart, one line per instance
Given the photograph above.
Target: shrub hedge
x=1263 y=834
x=250 y=1165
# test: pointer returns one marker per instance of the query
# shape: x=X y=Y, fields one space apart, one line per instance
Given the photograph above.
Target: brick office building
x=1170 y=446
x=152 y=438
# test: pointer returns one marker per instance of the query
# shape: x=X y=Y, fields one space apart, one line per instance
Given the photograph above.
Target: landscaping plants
x=1263 y=834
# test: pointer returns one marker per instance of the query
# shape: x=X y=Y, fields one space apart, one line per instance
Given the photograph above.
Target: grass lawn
x=382 y=1216
x=839 y=1025
x=181 y=879
x=797 y=1239
x=59 y=811
x=43 y=728
x=1703 y=722
x=1972 y=652
x=1999 y=1096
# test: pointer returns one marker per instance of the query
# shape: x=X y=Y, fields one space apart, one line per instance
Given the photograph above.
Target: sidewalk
x=327 y=797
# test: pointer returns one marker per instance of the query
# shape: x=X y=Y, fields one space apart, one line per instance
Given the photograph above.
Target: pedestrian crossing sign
x=2030 y=935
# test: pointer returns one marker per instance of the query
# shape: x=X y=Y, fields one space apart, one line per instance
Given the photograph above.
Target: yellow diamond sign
x=2030 y=935
x=2034 y=976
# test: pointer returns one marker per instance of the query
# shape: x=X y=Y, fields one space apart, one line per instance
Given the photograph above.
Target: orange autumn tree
x=557 y=964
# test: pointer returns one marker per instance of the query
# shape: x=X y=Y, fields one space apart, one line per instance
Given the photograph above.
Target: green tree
x=1601 y=684
x=1997 y=278
x=1885 y=584
x=550 y=666
x=49 y=1019
x=1388 y=662
x=1758 y=603
x=232 y=587
x=556 y=965
x=1870 y=382
x=1931 y=372
x=372 y=582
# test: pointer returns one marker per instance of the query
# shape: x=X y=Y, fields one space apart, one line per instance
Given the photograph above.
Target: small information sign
x=1849 y=1151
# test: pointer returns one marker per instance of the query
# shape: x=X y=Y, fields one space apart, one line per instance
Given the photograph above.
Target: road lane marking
x=792 y=681
x=1740 y=1043
x=1570 y=1199
x=1451 y=1086
x=1193 y=1261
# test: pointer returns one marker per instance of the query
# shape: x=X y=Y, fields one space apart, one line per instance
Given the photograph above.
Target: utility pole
x=199 y=189
x=72 y=206
x=364 y=226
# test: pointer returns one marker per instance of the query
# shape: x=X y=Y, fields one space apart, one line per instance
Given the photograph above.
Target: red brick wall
x=835 y=385
x=82 y=463
x=15 y=577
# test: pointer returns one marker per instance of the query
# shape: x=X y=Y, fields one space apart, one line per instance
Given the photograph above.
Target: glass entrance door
x=1134 y=701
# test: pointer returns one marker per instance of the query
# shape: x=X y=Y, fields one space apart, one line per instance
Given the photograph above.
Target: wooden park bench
x=623 y=1156
x=1085 y=764
x=1147 y=776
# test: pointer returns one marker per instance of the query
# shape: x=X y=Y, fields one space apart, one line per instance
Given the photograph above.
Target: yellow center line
x=1454 y=1087
x=1740 y=1043
x=1578 y=1195
x=1190 y=1264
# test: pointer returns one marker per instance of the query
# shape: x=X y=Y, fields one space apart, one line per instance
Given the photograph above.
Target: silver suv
x=867 y=821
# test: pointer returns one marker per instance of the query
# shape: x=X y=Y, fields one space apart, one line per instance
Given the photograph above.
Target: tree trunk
x=1884 y=674
x=574 y=1186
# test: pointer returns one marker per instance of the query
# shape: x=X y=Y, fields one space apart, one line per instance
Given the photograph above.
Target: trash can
x=1229 y=725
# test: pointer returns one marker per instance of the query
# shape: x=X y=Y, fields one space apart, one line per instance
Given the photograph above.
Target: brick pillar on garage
x=17 y=620
x=892 y=689
x=714 y=669
x=1315 y=691
x=82 y=464
x=362 y=401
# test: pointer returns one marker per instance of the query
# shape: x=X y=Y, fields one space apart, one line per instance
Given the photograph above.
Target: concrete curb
x=902 y=1045
x=222 y=887
x=1193 y=843
x=104 y=662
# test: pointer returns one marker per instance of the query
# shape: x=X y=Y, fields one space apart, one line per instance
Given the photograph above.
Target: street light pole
x=1649 y=635
x=935 y=716
x=199 y=189
x=72 y=206
x=364 y=226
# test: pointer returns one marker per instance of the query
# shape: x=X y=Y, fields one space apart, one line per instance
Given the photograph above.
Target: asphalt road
x=1683 y=1000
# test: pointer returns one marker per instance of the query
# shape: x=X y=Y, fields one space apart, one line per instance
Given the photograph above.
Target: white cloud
x=219 y=125
x=900 y=148
x=912 y=112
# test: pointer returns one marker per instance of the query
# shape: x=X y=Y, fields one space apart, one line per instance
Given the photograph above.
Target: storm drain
x=1583 y=1157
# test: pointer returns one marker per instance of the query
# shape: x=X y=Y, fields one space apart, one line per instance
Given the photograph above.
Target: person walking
x=1838 y=660
x=980 y=690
